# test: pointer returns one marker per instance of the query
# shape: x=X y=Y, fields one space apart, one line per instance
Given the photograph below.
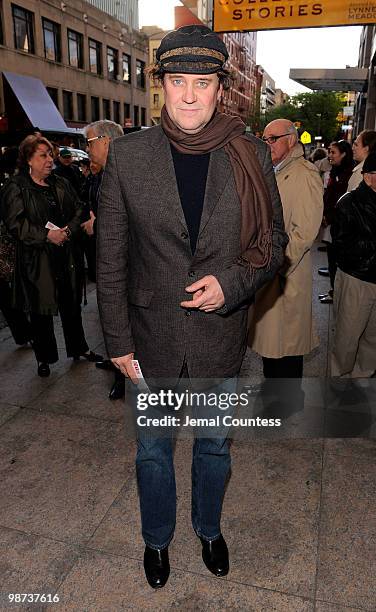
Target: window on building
x=95 y=56
x=156 y=100
x=127 y=74
x=75 y=49
x=106 y=109
x=23 y=29
x=140 y=76
x=127 y=112
x=53 y=95
x=52 y=40
x=117 y=112
x=136 y=115
x=143 y=115
x=81 y=107
x=68 y=105
x=94 y=108
x=112 y=63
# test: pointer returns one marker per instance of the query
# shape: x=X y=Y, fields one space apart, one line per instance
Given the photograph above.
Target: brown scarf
x=228 y=132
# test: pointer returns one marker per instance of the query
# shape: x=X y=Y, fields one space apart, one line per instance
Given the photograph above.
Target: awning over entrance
x=331 y=79
x=35 y=101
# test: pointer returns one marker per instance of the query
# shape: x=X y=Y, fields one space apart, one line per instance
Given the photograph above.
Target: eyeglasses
x=273 y=139
x=89 y=140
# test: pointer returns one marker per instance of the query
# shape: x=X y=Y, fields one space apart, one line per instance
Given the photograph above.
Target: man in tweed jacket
x=171 y=290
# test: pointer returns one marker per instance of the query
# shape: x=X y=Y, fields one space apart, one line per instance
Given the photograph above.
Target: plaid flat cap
x=192 y=49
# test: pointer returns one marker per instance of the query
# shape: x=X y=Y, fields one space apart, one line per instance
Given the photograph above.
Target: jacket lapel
x=218 y=175
x=162 y=167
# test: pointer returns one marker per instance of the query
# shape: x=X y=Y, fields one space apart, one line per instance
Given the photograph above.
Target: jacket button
x=191 y=274
x=187 y=313
x=184 y=235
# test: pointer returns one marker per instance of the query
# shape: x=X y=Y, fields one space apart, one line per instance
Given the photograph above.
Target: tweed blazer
x=144 y=260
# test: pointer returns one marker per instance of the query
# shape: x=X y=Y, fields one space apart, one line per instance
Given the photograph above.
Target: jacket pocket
x=140 y=297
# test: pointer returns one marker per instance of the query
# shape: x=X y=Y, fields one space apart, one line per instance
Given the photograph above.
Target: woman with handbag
x=42 y=212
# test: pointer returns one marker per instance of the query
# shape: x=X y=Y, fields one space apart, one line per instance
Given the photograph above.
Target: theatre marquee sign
x=280 y=14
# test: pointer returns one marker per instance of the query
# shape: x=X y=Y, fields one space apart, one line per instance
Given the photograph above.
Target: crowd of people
x=46 y=187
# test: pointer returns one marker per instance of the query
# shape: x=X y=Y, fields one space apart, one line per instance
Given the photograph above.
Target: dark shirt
x=54 y=212
x=191 y=173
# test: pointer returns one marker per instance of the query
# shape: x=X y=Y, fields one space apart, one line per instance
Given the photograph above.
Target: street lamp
x=318 y=115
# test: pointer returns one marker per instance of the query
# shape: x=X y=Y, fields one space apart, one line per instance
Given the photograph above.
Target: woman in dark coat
x=43 y=213
x=341 y=159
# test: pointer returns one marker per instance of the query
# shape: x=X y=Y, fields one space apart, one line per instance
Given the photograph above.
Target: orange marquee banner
x=238 y=15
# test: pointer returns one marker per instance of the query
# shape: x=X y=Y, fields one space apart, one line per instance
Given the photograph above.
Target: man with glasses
x=98 y=137
x=282 y=329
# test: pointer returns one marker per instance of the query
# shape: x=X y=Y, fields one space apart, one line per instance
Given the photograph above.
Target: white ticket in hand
x=52 y=226
x=142 y=382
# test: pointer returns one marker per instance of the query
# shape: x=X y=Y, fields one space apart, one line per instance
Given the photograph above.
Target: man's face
x=370 y=179
x=191 y=99
x=66 y=161
x=283 y=142
x=359 y=151
x=98 y=148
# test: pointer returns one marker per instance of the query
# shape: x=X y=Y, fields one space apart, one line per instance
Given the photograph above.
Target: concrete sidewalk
x=299 y=515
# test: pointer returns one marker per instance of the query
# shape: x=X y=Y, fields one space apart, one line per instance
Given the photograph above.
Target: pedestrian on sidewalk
x=99 y=134
x=281 y=323
x=189 y=227
x=42 y=212
x=354 y=244
x=341 y=159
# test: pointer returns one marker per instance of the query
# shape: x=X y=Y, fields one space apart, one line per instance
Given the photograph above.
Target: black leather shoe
x=215 y=556
x=327 y=299
x=43 y=370
x=157 y=567
x=323 y=271
x=117 y=390
x=105 y=364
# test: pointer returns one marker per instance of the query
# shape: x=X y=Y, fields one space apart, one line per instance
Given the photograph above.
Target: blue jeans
x=211 y=464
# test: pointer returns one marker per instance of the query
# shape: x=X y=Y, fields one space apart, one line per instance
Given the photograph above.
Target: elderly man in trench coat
x=281 y=326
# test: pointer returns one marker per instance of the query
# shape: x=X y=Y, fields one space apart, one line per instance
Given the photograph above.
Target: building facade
x=91 y=64
x=125 y=11
x=365 y=107
x=156 y=97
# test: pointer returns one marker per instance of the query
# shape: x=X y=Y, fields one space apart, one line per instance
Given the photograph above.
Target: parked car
x=77 y=154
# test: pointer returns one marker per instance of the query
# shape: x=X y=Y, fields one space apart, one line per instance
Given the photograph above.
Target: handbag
x=7 y=255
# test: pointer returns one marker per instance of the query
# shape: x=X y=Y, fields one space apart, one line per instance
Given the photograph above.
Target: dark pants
x=332 y=265
x=90 y=251
x=284 y=367
x=17 y=320
x=211 y=464
x=282 y=392
x=45 y=346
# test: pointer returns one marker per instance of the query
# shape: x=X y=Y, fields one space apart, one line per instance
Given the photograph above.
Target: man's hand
x=207 y=295
x=124 y=364
x=57 y=236
x=88 y=226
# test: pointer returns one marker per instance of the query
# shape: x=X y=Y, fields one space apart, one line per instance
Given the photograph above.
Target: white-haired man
x=282 y=328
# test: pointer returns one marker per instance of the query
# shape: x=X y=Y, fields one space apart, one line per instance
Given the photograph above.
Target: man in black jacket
x=65 y=167
x=98 y=137
x=354 y=242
